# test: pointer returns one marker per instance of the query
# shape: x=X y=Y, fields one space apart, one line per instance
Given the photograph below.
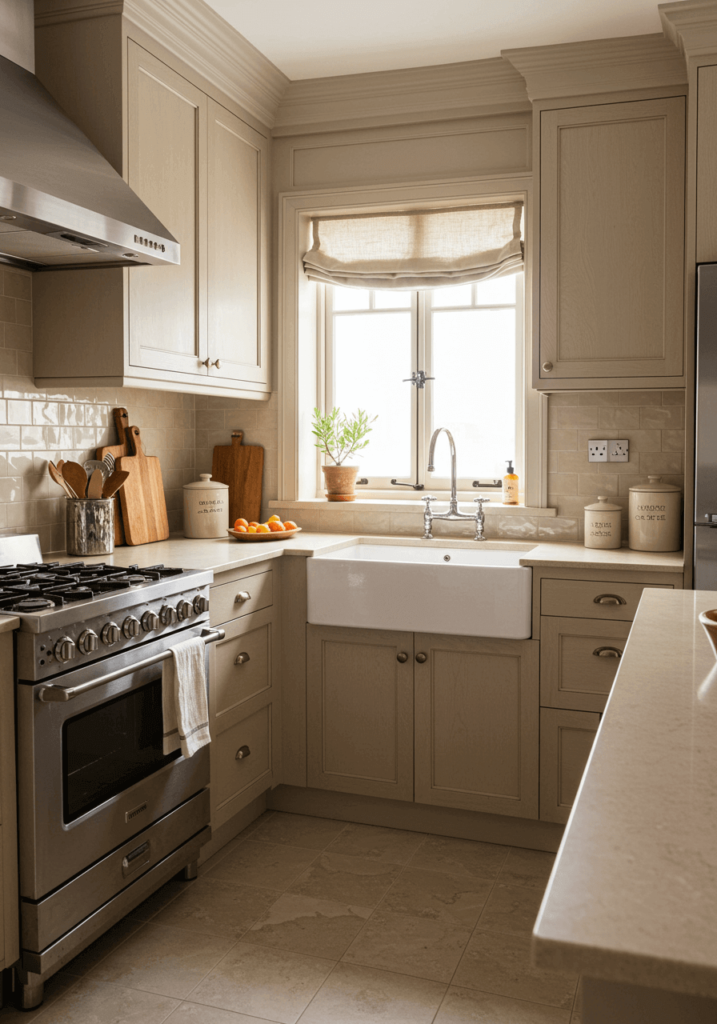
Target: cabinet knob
x=242 y=596
x=607 y=652
x=402 y=657
x=609 y=599
x=421 y=657
x=217 y=363
x=241 y=753
x=206 y=362
x=241 y=659
x=547 y=367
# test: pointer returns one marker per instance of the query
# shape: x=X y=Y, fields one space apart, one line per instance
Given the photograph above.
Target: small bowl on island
x=708 y=620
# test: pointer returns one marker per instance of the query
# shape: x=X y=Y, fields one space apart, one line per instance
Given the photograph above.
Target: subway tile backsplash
x=37 y=425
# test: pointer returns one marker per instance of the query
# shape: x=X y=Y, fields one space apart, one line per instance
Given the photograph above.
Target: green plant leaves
x=339 y=436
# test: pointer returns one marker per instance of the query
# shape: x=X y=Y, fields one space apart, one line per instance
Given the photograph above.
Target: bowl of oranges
x=272 y=529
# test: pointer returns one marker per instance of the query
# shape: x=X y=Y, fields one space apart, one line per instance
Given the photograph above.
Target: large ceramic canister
x=206 y=508
x=655 y=516
x=603 y=524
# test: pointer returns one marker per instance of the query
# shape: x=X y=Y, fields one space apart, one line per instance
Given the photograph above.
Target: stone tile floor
x=307 y=920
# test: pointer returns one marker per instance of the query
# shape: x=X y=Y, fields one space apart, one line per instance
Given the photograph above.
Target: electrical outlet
x=597 y=451
x=618 y=451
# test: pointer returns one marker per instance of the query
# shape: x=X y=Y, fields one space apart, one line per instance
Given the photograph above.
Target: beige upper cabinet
x=611 y=245
x=706 y=223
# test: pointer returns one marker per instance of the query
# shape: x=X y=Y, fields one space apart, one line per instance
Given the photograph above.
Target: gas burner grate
x=158 y=572
x=71 y=594
x=33 y=604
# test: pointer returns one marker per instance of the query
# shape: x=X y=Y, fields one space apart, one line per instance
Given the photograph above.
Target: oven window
x=111 y=747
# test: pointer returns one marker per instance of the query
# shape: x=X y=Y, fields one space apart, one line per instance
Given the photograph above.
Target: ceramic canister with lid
x=655 y=516
x=603 y=524
x=206 y=508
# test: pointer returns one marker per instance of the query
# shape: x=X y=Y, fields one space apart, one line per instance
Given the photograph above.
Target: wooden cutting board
x=121 y=418
x=144 y=511
x=241 y=466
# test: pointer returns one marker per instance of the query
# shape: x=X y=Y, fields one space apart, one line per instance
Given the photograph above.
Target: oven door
x=91 y=770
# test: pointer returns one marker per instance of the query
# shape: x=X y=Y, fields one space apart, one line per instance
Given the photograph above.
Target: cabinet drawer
x=230 y=600
x=584 y=599
x=236 y=781
x=578 y=661
x=566 y=739
x=241 y=669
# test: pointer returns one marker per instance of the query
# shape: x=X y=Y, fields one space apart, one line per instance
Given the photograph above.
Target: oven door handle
x=52 y=692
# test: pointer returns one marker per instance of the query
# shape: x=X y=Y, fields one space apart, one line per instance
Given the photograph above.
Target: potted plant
x=339 y=436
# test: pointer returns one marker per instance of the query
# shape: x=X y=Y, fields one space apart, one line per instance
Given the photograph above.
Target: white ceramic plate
x=275 y=535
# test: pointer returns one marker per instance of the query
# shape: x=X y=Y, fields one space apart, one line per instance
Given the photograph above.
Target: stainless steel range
x=105 y=817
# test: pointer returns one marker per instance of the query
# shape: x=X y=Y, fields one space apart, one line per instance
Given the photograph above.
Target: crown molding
x=408 y=95
x=691 y=25
x=199 y=36
x=598 y=66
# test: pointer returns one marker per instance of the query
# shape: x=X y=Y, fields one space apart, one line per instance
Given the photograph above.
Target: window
x=467 y=342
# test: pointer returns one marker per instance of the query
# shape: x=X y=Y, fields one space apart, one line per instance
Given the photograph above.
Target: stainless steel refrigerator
x=705 y=532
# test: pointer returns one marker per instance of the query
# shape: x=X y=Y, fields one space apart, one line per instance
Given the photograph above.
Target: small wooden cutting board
x=241 y=466
x=121 y=418
x=144 y=510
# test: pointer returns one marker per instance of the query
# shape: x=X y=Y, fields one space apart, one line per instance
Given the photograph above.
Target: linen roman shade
x=418 y=249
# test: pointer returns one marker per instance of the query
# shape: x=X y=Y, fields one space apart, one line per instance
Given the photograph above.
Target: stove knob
x=184 y=610
x=167 y=615
x=110 y=634
x=131 y=627
x=88 y=641
x=201 y=604
x=65 y=649
x=150 y=621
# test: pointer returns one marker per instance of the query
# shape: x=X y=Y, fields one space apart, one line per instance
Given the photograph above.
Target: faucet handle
x=428 y=498
x=481 y=501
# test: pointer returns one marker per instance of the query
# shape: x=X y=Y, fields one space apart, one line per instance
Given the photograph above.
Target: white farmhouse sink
x=481 y=591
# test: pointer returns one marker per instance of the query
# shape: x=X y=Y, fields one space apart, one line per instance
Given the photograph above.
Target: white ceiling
x=317 y=38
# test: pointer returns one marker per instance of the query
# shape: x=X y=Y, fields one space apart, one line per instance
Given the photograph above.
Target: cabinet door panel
x=706 y=224
x=237 y=324
x=236 y=781
x=477 y=724
x=611 y=250
x=578 y=661
x=566 y=739
x=360 y=711
x=241 y=667
x=166 y=168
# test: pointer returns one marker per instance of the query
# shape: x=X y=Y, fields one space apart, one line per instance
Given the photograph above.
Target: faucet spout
x=431 y=453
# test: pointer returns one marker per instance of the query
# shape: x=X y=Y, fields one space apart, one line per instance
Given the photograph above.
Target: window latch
x=484 y=485
x=399 y=483
x=418 y=378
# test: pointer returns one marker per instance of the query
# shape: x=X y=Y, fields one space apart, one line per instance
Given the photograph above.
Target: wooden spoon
x=76 y=478
x=59 y=479
x=94 y=487
x=114 y=483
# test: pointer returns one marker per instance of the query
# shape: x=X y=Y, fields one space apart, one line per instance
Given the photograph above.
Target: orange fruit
x=253 y=523
x=239 y=523
x=241 y=529
x=274 y=519
x=289 y=525
x=276 y=526
x=252 y=529
x=263 y=528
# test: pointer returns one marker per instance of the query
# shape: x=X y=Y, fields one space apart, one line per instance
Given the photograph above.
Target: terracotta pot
x=340 y=482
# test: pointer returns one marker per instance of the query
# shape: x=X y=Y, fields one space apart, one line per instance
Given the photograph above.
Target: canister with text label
x=206 y=508
x=603 y=523
x=655 y=516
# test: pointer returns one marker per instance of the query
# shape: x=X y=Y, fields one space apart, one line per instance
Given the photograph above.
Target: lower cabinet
x=474 y=741
x=566 y=739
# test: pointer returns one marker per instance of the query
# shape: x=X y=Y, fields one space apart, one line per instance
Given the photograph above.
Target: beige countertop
x=633 y=894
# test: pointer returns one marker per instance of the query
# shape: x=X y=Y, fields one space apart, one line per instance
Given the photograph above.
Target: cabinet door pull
x=206 y=362
x=421 y=657
x=242 y=596
x=402 y=657
x=607 y=652
x=217 y=363
x=609 y=599
x=242 y=658
x=241 y=753
x=547 y=367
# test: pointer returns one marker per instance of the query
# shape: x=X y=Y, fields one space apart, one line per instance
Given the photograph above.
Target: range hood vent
x=62 y=205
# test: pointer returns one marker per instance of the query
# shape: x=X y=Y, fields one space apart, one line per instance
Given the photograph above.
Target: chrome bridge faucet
x=429 y=515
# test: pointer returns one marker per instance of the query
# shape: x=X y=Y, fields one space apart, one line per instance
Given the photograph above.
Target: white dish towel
x=184 y=698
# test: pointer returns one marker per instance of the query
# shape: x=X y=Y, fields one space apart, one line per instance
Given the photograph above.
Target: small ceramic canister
x=655 y=517
x=603 y=524
x=206 y=508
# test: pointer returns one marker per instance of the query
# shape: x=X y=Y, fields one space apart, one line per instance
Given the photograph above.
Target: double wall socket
x=608 y=451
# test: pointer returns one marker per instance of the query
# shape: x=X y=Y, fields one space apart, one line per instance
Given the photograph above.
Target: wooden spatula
x=59 y=479
x=95 y=484
x=113 y=484
x=76 y=478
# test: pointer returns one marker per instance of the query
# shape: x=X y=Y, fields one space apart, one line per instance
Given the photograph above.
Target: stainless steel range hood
x=62 y=205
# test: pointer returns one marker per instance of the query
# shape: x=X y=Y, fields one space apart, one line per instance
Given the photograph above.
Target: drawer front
x=579 y=659
x=241 y=669
x=566 y=739
x=237 y=780
x=583 y=599
x=230 y=600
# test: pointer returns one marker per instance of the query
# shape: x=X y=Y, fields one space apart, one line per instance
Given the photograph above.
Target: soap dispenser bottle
x=510 y=485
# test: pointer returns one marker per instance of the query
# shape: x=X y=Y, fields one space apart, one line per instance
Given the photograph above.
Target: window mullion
x=423 y=395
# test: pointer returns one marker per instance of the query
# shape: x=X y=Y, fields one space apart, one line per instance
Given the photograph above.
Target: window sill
x=408 y=506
